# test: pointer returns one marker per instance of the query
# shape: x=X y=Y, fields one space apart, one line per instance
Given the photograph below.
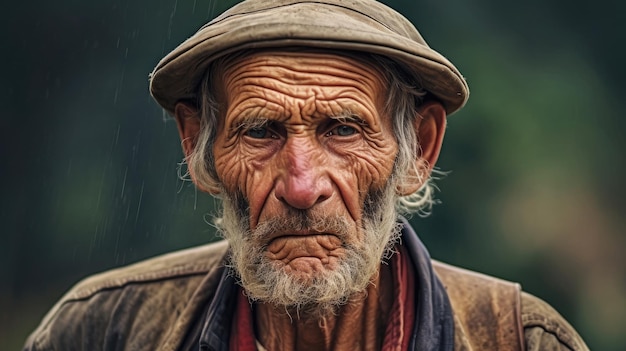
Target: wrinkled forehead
x=219 y=70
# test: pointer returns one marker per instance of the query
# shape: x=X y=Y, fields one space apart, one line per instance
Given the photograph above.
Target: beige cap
x=360 y=25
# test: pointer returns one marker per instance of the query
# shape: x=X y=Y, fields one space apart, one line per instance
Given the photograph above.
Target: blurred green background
x=535 y=191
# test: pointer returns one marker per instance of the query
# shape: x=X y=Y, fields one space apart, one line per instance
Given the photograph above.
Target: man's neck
x=358 y=325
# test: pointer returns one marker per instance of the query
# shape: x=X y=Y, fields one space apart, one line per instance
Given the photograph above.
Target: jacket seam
x=120 y=283
x=550 y=328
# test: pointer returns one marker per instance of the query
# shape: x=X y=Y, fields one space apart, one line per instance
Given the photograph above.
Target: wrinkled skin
x=304 y=131
x=304 y=157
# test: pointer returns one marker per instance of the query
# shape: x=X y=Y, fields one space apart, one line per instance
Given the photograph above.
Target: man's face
x=305 y=158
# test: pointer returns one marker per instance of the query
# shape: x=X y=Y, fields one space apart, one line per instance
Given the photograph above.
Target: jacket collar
x=434 y=327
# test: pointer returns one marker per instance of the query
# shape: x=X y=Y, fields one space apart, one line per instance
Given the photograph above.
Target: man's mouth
x=305 y=251
x=300 y=235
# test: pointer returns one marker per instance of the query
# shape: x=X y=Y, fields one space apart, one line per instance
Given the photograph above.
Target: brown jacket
x=158 y=304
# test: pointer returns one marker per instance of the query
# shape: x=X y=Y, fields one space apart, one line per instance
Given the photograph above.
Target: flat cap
x=356 y=25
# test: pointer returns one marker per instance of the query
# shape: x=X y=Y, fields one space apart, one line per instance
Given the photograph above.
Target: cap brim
x=178 y=75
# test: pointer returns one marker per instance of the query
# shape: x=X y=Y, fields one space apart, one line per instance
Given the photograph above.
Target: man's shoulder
x=546 y=329
x=493 y=310
x=174 y=265
x=146 y=303
x=486 y=309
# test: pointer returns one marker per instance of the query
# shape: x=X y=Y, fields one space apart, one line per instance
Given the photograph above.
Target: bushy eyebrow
x=348 y=117
x=255 y=121
x=248 y=122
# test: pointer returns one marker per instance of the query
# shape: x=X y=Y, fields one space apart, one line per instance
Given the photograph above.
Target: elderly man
x=315 y=123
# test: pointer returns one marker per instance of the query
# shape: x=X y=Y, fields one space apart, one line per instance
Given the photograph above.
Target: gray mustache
x=301 y=220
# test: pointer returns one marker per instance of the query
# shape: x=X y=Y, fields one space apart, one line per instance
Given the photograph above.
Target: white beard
x=264 y=280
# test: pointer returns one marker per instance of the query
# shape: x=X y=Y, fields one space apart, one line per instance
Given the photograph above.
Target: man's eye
x=257 y=133
x=343 y=130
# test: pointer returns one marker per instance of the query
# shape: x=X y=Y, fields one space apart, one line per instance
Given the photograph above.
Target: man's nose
x=304 y=181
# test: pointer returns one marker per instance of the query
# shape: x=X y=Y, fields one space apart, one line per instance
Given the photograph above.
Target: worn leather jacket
x=184 y=301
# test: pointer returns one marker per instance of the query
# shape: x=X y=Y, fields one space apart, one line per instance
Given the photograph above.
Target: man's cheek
x=377 y=175
x=243 y=176
x=371 y=175
x=231 y=168
x=371 y=164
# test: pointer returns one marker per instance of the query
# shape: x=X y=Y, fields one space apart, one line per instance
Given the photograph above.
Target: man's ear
x=188 y=122
x=430 y=126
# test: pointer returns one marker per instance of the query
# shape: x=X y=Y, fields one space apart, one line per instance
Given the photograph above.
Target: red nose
x=304 y=181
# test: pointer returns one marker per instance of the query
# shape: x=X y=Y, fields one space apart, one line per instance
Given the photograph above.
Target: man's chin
x=290 y=287
x=308 y=269
x=313 y=300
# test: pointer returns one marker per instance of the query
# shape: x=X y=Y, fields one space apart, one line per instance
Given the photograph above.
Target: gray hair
x=405 y=95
